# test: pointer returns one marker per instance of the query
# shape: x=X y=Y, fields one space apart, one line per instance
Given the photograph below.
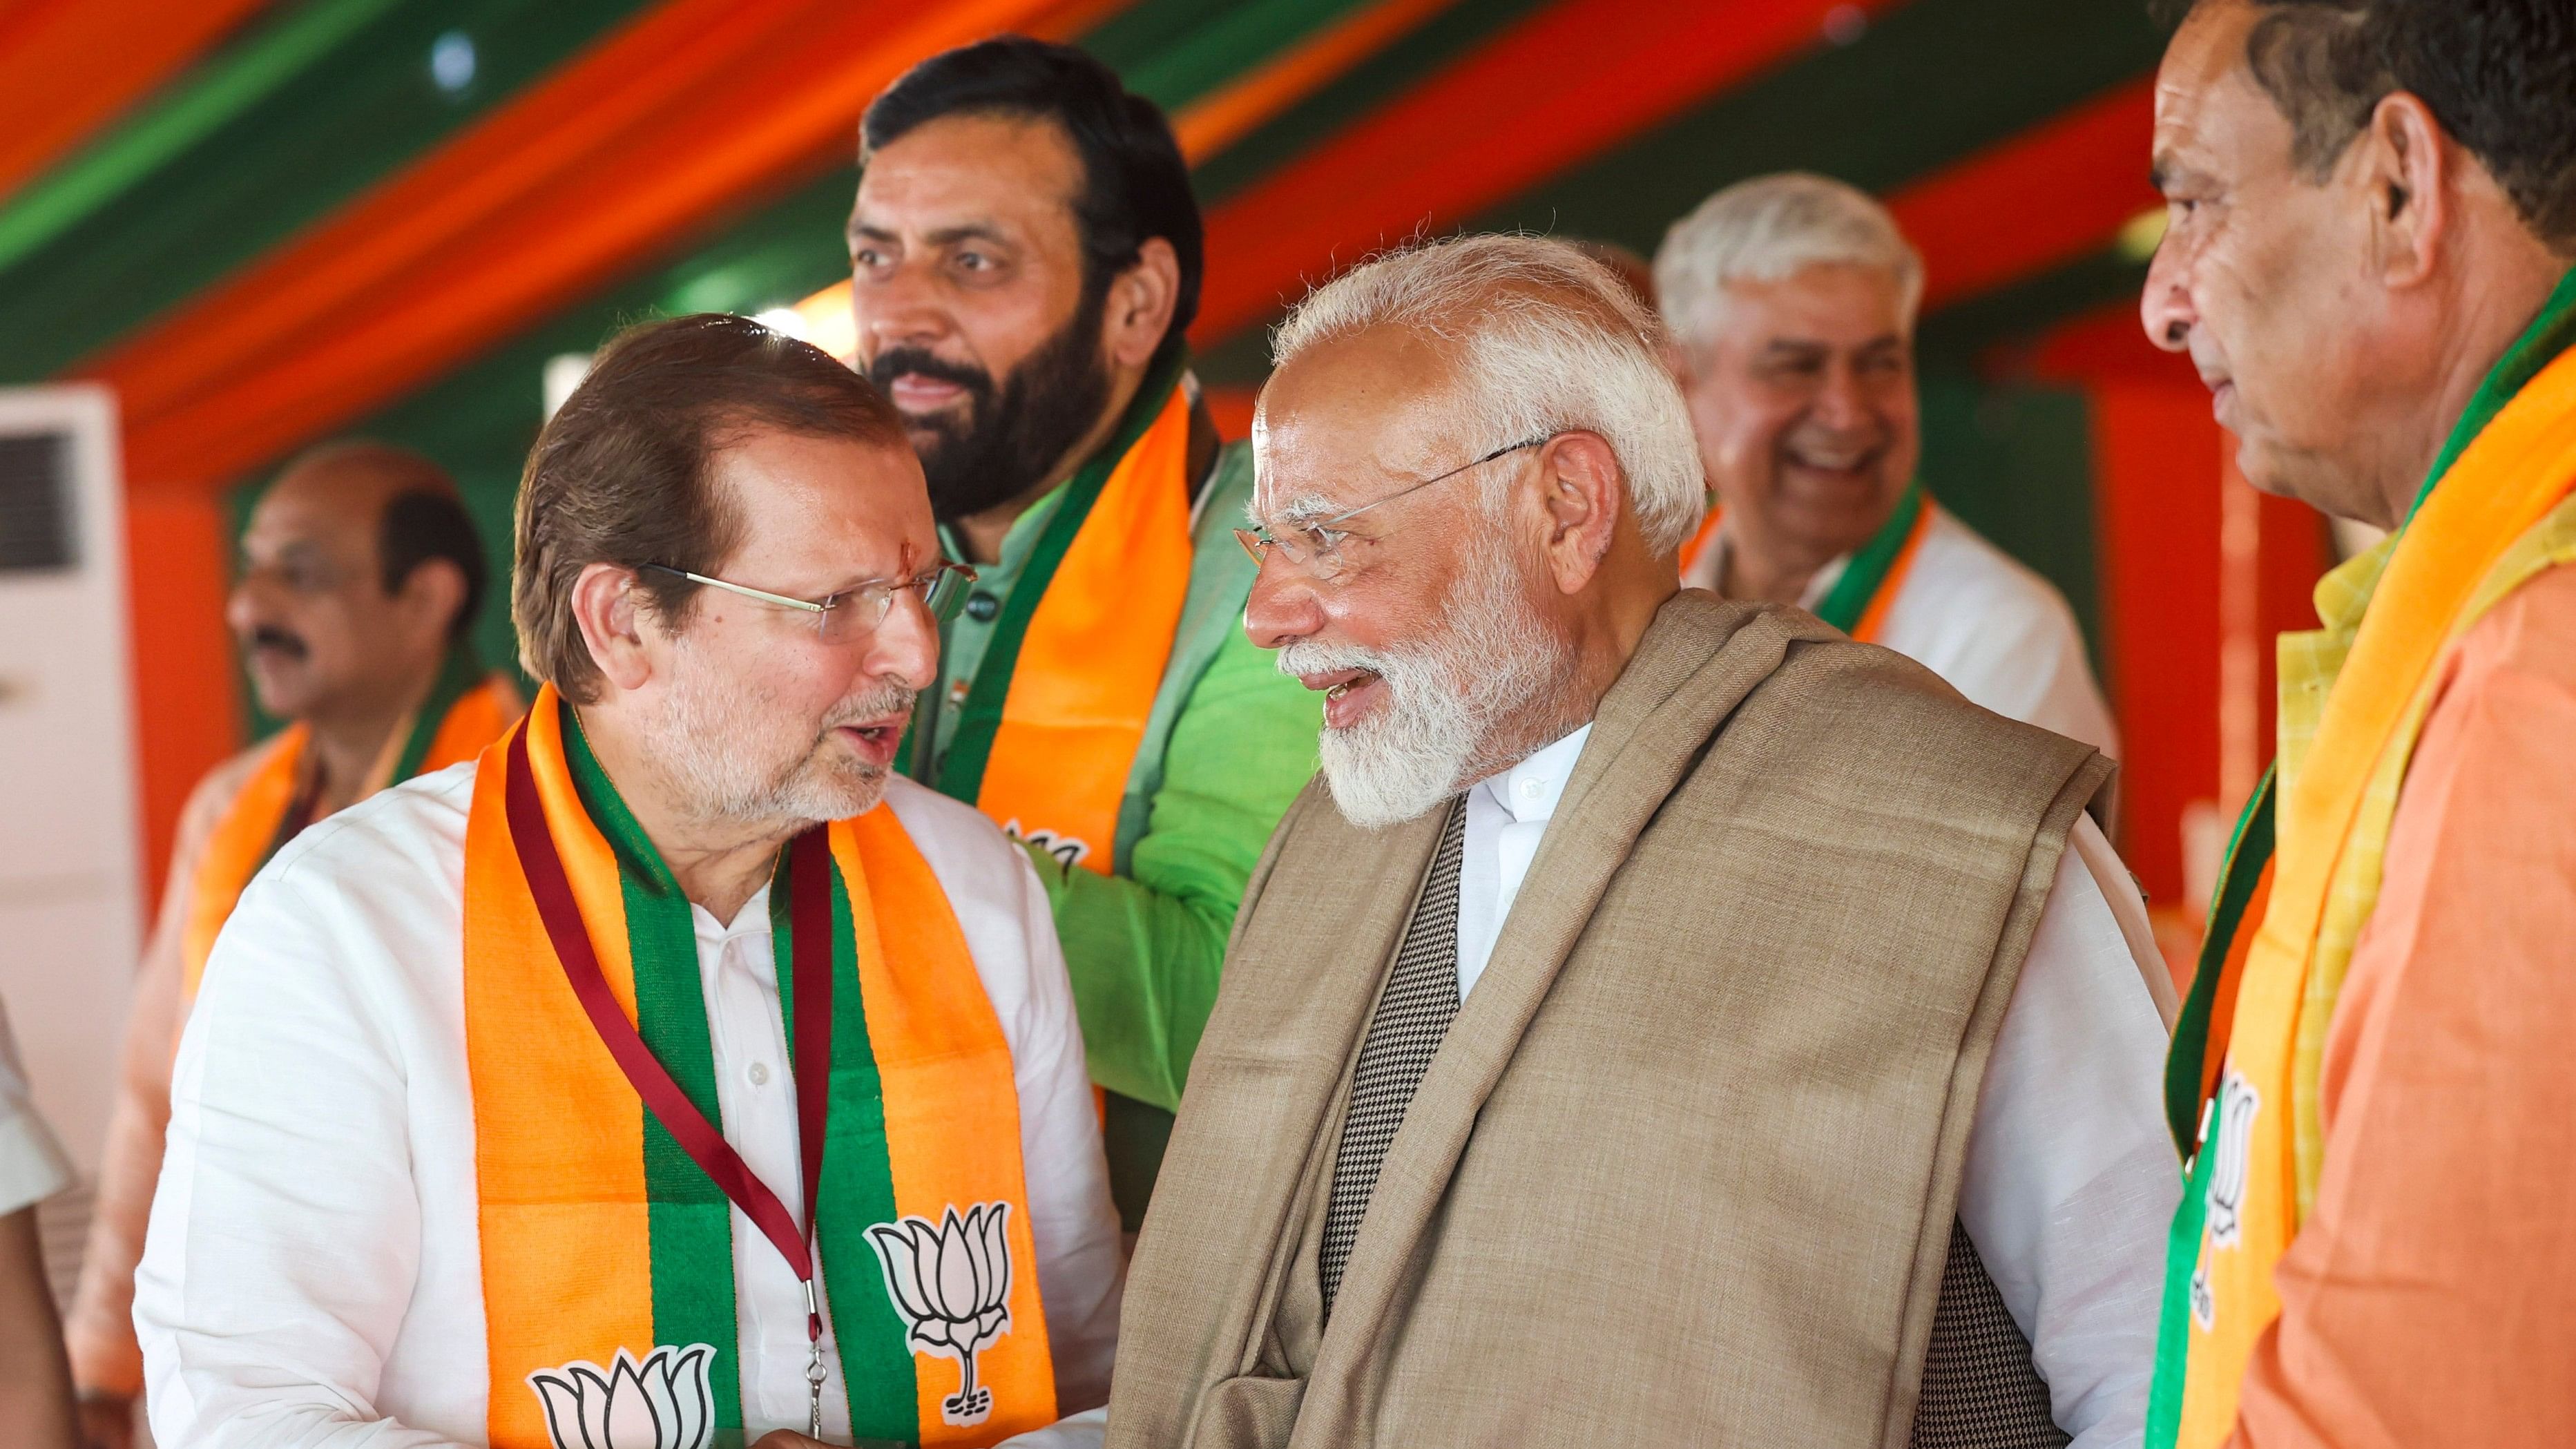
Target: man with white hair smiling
x=1665 y=1021
x=1792 y=301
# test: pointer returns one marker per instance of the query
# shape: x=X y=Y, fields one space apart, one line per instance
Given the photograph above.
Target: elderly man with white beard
x=1665 y=1021
x=674 y=1075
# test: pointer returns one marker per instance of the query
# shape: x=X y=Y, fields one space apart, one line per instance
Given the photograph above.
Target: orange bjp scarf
x=1050 y=727
x=607 y=1252
x=467 y=709
x=1858 y=602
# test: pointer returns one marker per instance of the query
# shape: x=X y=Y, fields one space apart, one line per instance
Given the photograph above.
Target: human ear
x=1141 y=301
x=431 y=595
x=2407 y=176
x=1582 y=493
x=605 y=606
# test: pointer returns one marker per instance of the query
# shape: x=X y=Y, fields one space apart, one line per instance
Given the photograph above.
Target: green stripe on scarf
x=961 y=776
x=692 y=1222
x=2550 y=334
x=458 y=673
x=857 y=1190
x=1848 y=599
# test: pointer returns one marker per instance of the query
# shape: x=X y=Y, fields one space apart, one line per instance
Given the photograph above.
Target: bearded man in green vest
x=1025 y=255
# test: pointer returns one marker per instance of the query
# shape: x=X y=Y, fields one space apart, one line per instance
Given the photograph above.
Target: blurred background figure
x=361 y=577
x=1792 y=300
x=35 y=1387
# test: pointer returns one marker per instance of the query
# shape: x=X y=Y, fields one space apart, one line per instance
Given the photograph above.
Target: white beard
x=1490 y=657
x=713 y=748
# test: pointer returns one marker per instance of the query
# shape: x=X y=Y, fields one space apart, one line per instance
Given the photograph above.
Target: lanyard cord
x=810 y=955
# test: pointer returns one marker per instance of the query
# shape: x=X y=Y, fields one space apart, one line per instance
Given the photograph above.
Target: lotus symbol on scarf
x=952 y=1284
x=660 y=1403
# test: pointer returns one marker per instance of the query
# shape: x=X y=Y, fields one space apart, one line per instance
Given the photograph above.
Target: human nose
x=248 y=603
x=905 y=646
x=898 y=307
x=1842 y=401
x=1283 y=607
x=2165 y=308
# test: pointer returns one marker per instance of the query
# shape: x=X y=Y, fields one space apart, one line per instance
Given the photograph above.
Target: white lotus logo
x=660 y=1403
x=952 y=1284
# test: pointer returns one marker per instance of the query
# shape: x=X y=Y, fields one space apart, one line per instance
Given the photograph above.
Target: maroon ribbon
x=810 y=968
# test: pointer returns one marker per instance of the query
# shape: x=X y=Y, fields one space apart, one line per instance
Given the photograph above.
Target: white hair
x=1769 y=229
x=1549 y=341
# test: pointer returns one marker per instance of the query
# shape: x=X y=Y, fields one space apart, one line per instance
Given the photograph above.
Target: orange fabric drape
x=69 y=67
x=695 y=105
x=1973 y=221
x=1566 y=83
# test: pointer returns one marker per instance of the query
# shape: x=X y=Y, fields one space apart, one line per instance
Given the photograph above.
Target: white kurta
x=313 y=1271
x=1969 y=612
x=2069 y=1183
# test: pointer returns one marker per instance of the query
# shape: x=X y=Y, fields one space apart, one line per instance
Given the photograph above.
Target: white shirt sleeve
x=2071 y=1181
x=285 y=1235
x=32 y=1165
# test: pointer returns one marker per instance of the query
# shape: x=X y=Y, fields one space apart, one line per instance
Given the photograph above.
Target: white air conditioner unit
x=70 y=913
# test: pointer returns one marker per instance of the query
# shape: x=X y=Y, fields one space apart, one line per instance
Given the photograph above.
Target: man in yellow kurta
x=361 y=577
x=2373 y=224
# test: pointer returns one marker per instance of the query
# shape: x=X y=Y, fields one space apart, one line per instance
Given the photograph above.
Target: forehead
x=1831 y=302
x=332 y=508
x=968 y=170
x=1349 y=416
x=825 y=511
x=2207 y=100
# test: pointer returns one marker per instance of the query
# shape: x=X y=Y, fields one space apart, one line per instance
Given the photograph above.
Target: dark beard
x=1002 y=449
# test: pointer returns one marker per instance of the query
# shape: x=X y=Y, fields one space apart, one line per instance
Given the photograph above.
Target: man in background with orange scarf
x=1025 y=256
x=1792 y=300
x=361 y=578
x=2373 y=221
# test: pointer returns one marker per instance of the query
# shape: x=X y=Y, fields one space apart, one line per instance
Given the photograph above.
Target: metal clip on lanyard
x=809 y=862
x=813 y=1364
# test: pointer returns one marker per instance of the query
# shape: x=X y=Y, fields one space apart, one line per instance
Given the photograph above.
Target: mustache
x=271 y=639
x=897 y=362
x=1313 y=656
x=888 y=699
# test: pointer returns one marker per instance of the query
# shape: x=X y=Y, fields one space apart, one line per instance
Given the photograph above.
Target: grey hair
x=1769 y=229
x=1550 y=340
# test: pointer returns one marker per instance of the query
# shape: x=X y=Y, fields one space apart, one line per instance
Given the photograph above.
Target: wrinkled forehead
x=2204 y=81
x=1349 y=421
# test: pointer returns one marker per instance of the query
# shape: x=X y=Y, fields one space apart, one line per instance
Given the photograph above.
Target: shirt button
x=1530 y=788
x=759 y=1074
x=981 y=607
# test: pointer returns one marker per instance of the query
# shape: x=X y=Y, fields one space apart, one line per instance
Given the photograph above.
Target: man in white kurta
x=1792 y=303
x=313 y=1273
x=316 y=1219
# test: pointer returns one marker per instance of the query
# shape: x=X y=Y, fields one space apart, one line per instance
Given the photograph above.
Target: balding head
x=360 y=567
x=1473 y=473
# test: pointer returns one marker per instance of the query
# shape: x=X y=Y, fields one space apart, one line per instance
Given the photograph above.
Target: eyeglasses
x=859 y=609
x=1315 y=548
